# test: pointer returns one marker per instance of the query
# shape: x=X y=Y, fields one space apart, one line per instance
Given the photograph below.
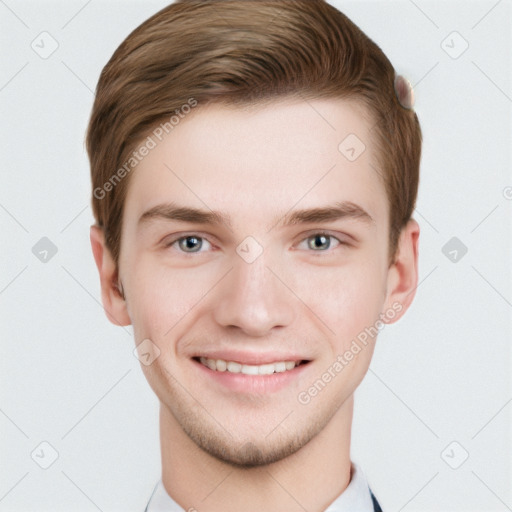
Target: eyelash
x=203 y=238
x=327 y=235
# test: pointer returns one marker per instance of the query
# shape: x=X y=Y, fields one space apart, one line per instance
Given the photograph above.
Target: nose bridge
x=251 y=297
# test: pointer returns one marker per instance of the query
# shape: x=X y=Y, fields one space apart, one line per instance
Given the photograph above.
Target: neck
x=310 y=479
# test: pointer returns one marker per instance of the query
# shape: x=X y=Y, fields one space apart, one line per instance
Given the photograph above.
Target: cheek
x=347 y=299
x=163 y=298
x=159 y=298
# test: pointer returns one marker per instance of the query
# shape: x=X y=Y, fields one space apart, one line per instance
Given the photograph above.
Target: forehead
x=251 y=162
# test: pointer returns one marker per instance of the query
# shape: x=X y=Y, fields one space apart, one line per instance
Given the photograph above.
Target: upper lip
x=252 y=358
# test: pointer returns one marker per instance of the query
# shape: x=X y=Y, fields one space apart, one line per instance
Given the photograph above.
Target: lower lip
x=253 y=384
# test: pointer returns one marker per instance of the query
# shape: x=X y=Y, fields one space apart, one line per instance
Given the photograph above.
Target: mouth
x=251 y=374
x=221 y=365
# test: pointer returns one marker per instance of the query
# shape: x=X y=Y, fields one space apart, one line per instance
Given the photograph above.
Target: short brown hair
x=245 y=52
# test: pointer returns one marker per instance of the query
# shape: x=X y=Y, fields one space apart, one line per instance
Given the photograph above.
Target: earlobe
x=402 y=279
x=112 y=297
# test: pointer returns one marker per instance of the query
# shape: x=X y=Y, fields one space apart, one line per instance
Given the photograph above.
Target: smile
x=273 y=373
x=220 y=365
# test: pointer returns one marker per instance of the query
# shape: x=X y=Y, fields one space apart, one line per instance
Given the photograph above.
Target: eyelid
x=170 y=240
x=340 y=237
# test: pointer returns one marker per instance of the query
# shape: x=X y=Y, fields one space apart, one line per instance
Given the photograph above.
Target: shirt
x=357 y=497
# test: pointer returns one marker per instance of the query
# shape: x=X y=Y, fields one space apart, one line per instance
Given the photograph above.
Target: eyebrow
x=171 y=211
x=340 y=210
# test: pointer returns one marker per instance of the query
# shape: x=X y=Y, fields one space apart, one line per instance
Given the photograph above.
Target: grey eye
x=319 y=242
x=190 y=243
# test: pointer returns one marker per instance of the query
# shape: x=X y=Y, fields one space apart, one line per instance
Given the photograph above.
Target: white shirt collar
x=355 y=498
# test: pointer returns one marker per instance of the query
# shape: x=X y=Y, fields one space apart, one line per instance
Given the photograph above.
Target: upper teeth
x=263 y=369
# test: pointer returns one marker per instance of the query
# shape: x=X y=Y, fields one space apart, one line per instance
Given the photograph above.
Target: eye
x=190 y=243
x=321 y=242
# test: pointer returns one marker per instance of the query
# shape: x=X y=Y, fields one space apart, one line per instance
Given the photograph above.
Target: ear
x=402 y=278
x=114 y=303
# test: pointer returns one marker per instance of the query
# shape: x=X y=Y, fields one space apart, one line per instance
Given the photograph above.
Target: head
x=268 y=135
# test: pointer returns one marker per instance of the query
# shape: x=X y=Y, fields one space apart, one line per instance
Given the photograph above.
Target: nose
x=252 y=299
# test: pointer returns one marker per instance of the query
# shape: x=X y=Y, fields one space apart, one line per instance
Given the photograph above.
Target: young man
x=254 y=174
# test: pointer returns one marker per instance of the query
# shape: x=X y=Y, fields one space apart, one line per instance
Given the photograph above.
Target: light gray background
x=442 y=374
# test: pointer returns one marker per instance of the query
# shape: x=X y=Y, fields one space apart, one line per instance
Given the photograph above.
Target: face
x=254 y=255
